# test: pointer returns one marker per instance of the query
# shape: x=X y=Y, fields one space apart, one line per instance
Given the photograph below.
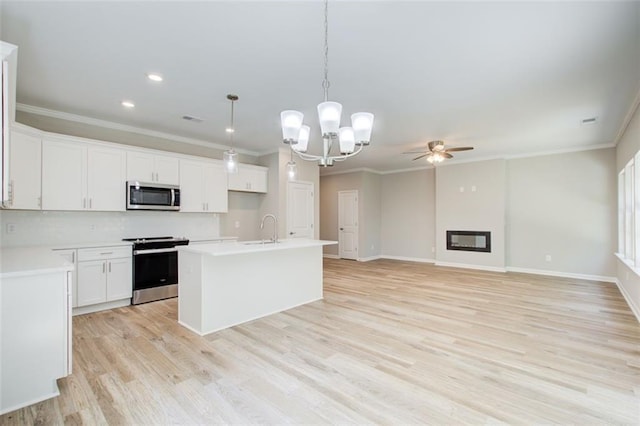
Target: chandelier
x=351 y=139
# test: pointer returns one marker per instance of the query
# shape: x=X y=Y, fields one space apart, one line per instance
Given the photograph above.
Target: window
x=629 y=212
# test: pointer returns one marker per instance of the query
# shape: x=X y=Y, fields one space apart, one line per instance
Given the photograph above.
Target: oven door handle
x=152 y=251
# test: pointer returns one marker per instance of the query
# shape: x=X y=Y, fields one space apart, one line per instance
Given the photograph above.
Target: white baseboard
x=409 y=259
x=331 y=256
x=470 y=266
x=369 y=259
x=562 y=274
x=101 y=307
x=634 y=308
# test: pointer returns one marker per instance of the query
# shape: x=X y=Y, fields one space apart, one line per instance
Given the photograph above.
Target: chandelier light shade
x=351 y=139
x=230 y=157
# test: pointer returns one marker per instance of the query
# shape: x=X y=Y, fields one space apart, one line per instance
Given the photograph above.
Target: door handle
x=291 y=233
x=342 y=229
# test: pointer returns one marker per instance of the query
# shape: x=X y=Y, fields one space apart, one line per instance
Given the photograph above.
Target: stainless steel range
x=155 y=268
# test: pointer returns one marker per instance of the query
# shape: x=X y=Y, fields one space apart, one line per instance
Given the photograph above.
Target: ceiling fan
x=436 y=152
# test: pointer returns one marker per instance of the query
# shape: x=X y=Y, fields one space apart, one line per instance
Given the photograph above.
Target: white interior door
x=348 y=224
x=300 y=210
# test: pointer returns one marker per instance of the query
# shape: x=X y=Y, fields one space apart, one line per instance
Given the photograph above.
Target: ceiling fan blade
x=460 y=148
x=422 y=151
x=419 y=157
x=445 y=154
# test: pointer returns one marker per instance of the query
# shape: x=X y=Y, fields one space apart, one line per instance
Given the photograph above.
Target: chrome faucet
x=275 y=226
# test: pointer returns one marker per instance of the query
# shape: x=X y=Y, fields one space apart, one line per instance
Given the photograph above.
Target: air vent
x=192 y=118
x=589 y=120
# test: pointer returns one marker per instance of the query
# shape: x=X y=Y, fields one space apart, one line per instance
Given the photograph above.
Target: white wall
x=471 y=197
x=563 y=206
x=628 y=145
x=53 y=228
x=408 y=215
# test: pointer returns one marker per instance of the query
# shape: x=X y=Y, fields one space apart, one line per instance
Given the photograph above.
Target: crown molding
x=123 y=127
x=627 y=119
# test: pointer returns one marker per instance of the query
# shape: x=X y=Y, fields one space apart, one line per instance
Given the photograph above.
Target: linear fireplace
x=469 y=241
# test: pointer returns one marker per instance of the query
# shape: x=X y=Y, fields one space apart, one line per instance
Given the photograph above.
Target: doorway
x=348 y=224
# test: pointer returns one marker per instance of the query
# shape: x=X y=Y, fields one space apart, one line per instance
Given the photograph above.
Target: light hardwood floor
x=391 y=343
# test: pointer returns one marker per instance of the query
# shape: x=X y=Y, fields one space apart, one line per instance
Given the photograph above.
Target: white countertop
x=23 y=261
x=242 y=247
x=91 y=245
x=204 y=239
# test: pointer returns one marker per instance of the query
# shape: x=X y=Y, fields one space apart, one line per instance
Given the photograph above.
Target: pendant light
x=351 y=139
x=230 y=157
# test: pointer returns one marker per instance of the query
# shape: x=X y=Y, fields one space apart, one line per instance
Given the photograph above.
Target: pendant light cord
x=325 y=82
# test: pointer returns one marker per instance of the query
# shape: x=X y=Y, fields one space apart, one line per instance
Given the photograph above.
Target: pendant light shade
x=303 y=139
x=291 y=122
x=362 y=123
x=230 y=157
x=347 y=141
x=329 y=116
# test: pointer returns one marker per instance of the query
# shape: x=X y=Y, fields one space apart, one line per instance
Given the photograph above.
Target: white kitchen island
x=222 y=285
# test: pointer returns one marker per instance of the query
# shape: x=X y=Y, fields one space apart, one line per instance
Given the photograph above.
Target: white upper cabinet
x=106 y=189
x=249 y=178
x=153 y=168
x=203 y=186
x=82 y=176
x=25 y=156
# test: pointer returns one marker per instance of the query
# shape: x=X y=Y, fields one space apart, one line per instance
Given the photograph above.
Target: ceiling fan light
x=329 y=116
x=362 y=123
x=291 y=123
x=303 y=139
x=347 y=140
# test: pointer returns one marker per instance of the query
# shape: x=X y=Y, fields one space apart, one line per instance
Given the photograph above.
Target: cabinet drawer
x=101 y=253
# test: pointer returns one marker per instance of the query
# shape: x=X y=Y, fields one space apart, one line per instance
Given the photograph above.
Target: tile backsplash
x=50 y=228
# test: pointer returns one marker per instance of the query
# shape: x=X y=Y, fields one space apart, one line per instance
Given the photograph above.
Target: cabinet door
x=167 y=170
x=92 y=282
x=215 y=188
x=192 y=186
x=64 y=175
x=25 y=168
x=257 y=179
x=71 y=257
x=140 y=166
x=106 y=171
x=119 y=279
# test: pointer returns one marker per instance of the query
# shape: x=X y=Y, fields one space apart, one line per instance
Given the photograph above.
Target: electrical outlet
x=237 y=224
x=547 y=258
x=11 y=228
x=433 y=249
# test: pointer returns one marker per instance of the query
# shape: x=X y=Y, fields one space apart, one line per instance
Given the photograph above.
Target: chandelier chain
x=325 y=82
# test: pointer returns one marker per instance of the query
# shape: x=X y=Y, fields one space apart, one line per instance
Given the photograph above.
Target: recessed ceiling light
x=128 y=104
x=154 y=77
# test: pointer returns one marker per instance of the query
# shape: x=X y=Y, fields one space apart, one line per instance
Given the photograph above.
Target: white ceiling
x=509 y=78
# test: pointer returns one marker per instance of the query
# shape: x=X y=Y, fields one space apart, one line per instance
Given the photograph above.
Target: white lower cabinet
x=71 y=256
x=35 y=337
x=104 y=275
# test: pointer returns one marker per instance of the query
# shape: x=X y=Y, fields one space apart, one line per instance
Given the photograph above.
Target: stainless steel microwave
x=152 y=196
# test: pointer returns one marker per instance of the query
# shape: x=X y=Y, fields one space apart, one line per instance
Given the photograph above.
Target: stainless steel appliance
x=152 y=196
x=155 y=268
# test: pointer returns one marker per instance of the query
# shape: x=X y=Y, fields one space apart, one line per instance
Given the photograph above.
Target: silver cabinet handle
x=104 y=267
x=109 y=267
x=73 y=257
x=207 y=206
x=106 y=253
x=90 y=202
x=40 y=202
x=84 y=203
